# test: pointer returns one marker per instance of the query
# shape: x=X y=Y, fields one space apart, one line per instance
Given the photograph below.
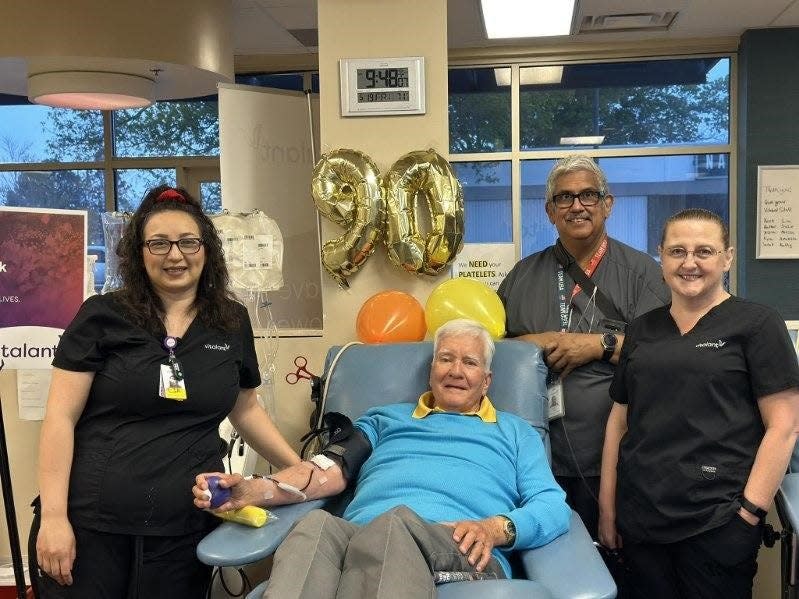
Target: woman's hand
x=608 y=535
x=55 y=549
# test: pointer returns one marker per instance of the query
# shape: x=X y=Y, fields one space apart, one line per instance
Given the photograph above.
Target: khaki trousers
x=392 y=557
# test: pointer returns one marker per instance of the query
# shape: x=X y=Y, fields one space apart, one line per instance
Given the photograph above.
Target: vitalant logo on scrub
x=714 y=344
x=217 y=347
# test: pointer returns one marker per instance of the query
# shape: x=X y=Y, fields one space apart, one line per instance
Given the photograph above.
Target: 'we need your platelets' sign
x=484 y=262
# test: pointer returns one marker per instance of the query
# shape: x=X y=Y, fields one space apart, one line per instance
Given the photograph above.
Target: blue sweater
x=449 y=467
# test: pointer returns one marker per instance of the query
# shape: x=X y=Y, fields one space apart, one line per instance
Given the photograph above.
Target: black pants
x=116 y=566
x=716 y=564
x=581 y=495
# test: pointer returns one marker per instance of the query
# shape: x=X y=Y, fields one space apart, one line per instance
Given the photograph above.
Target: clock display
x=382 y=78
x=390 y=96
x=382 y=86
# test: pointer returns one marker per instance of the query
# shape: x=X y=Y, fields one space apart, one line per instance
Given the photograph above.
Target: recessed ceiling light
x=90 y=90
x=584 y=140
x=526 y=18
x=531 y=75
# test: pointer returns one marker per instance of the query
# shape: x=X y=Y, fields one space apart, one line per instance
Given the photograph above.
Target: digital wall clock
x=382 y=86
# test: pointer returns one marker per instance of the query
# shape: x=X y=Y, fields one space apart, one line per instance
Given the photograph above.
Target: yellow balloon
x=465 y=298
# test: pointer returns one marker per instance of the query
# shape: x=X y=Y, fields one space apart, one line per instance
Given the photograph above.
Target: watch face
x=608 y=340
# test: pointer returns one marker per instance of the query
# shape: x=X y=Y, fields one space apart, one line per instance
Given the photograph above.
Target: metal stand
x=8 y=503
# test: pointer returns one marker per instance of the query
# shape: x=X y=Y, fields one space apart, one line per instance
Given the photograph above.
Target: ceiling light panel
x=526 y=18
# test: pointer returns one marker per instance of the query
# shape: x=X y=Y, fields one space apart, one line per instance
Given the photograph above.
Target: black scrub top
x=136 y=453
x=693 y=420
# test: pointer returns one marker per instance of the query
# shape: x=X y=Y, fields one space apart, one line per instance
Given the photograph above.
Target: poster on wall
x=266 y=162
x=485 y=262
x=42 y=274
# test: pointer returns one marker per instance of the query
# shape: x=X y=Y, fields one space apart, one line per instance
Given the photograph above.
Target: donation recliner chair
x=362 y=376
x=787 y=503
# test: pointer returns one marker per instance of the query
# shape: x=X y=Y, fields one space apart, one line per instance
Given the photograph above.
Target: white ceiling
x=262 y=26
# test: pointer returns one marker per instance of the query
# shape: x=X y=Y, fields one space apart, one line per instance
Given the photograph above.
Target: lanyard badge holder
x=172 y=384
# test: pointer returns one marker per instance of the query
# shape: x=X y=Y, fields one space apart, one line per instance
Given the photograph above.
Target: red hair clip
x=170 y=195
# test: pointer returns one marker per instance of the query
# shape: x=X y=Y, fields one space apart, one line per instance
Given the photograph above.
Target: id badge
x=555 y=403
x=170 y=387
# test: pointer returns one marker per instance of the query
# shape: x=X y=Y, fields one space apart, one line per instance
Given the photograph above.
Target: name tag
x=170 y=386
x=555 y=400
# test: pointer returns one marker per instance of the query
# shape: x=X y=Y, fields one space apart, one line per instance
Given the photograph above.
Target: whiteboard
x=778 y=211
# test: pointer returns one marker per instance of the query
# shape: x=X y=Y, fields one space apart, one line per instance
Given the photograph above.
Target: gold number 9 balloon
x=347 y=189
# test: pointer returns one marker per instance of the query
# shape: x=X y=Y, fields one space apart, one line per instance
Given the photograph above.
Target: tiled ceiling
x=287 y=26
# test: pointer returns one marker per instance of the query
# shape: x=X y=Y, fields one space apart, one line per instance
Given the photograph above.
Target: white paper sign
x=778 y=211
x=32 y=389
x=488 y=263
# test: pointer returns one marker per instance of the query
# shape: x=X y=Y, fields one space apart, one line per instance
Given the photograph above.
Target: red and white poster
x=42 y=273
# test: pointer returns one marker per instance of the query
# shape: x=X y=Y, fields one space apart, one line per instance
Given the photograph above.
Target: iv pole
x=8 y=504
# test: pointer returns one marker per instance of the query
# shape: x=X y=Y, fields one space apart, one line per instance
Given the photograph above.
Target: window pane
x=291 y=81
x=487 y=201
x=479 y=110
x=132 y=185
x=654 y=102
x=41 y=134
x=211 y=196
x=189 y=128
x=71 y=190
x=646 y=190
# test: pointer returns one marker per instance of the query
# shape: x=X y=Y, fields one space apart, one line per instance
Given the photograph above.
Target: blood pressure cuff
x=346 y=445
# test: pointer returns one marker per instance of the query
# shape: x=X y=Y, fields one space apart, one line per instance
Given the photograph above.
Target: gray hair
x=570 y=164
x=472 y=328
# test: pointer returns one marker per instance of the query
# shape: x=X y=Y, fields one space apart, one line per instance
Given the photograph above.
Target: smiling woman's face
x=689 y=277
x=173 y=273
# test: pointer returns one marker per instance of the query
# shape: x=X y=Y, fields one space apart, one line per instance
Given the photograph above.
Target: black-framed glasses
x=161 y=247
x=700 y=253
x=587 y=197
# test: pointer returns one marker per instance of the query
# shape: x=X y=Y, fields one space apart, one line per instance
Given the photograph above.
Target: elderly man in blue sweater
x=449 y=485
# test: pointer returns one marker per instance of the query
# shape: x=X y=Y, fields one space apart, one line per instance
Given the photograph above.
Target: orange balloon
x=391 y=317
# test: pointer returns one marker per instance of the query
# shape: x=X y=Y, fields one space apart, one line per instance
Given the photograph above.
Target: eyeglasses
x=587 y=197
x=700 y=253
x=161 y=247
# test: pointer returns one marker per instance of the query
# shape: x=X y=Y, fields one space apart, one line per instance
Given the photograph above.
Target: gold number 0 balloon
x=423 y=172
x=346 y=190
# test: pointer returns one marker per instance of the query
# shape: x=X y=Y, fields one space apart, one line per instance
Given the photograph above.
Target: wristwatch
x=509 y=528
x=608 y=341
x=753 y=509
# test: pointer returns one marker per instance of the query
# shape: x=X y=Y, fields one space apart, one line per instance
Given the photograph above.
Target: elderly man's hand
x=567 y=351
x=476 y=538
x=242 y=492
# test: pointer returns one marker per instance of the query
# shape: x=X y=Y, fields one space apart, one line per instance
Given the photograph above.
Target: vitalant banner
x=42 y=273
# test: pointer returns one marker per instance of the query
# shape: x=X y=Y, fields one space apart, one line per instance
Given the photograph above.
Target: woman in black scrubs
x=704 y=420
x=142 y=378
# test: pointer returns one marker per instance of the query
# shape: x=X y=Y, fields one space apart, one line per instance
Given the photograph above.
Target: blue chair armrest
x=232 y=544
x=495 y=589
x=570 y=566
x=258 y=592
x=788 y=498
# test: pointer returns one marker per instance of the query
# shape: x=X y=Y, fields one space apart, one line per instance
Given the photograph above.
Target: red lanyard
x=592 y=264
